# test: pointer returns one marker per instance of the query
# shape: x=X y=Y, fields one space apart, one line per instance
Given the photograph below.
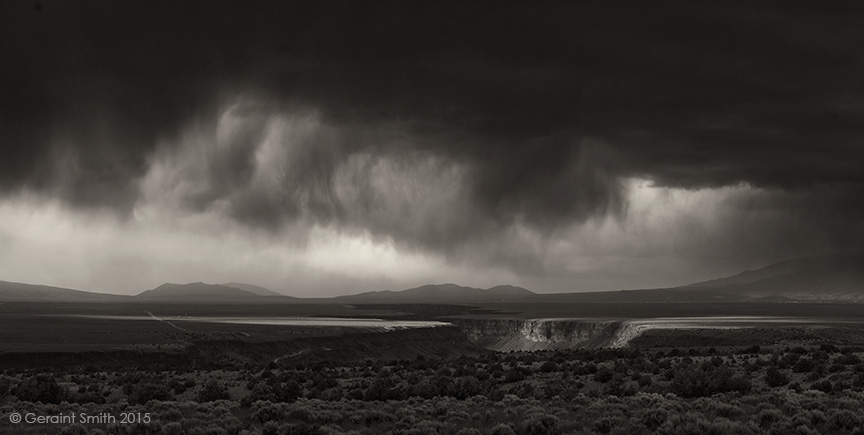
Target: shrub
x=823 y=386
x=212 y=391
x=843 y=420
x=539 y=425
x=836 y=368
x=693 y=382
x=548 y=367
x=177 y=385
x=603 y=375
x=804 y=365
x=775 y=378
x=268 y=412
x=172 y=428
x=653 y=418
x=848 y=360
x=516 y=374
x=74 y=429
x=502 y=429
x=41 y=388
x=147 y=391
x=5 y=386
x=644 y=380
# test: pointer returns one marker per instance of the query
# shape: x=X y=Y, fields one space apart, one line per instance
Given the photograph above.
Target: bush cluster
x=691 y=391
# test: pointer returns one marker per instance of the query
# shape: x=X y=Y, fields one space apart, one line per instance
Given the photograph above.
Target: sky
x=324 y=148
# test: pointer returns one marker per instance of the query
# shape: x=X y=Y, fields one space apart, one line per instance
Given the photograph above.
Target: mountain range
x=442 y=293
x=15 y=291
x=201 y=292
x=838 y=277
x=832 y=277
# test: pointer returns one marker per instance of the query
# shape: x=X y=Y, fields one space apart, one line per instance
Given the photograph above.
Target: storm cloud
x=478 y=134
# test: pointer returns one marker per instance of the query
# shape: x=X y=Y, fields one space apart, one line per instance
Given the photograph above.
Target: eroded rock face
x=535 y=334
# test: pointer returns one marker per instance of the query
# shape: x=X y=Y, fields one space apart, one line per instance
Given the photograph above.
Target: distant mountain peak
x=251 y=288
x=510 y=288
x=827 y=277
x=196 y=290
x=443 y=293
x=14 y=291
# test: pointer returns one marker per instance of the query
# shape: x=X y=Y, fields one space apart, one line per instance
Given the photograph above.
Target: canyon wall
x=536 y=334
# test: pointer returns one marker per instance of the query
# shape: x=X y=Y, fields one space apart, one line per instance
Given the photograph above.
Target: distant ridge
x=169 y=292
x=773 y=270
x=837 y=277
x=829 y=278
x=197 y=291
x=258 y=290
x=442 y=293
x=15 y=291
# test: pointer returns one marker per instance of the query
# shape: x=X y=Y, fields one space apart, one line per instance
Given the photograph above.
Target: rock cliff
x=536 y=334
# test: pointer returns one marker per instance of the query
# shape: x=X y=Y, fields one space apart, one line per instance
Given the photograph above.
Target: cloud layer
x=505 y=139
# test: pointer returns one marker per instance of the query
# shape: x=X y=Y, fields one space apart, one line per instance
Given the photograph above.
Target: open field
x=51 y=333
x=70 y=327
x=62 y=327
x=223 y=369
x=73 y=327
x=201 y=309
x=140 y=327
x=674 y=309
x=611 y=310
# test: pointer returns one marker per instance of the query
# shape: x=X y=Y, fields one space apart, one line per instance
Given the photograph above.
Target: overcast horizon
x=329 y=148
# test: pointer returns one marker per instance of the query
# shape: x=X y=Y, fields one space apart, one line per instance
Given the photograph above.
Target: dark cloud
x=543 y=107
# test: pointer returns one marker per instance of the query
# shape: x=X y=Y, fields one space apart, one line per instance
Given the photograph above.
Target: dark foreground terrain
x=677 y=391
x=805 y=377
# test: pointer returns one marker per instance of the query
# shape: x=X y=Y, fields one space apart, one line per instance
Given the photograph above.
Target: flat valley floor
x=424 y=369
